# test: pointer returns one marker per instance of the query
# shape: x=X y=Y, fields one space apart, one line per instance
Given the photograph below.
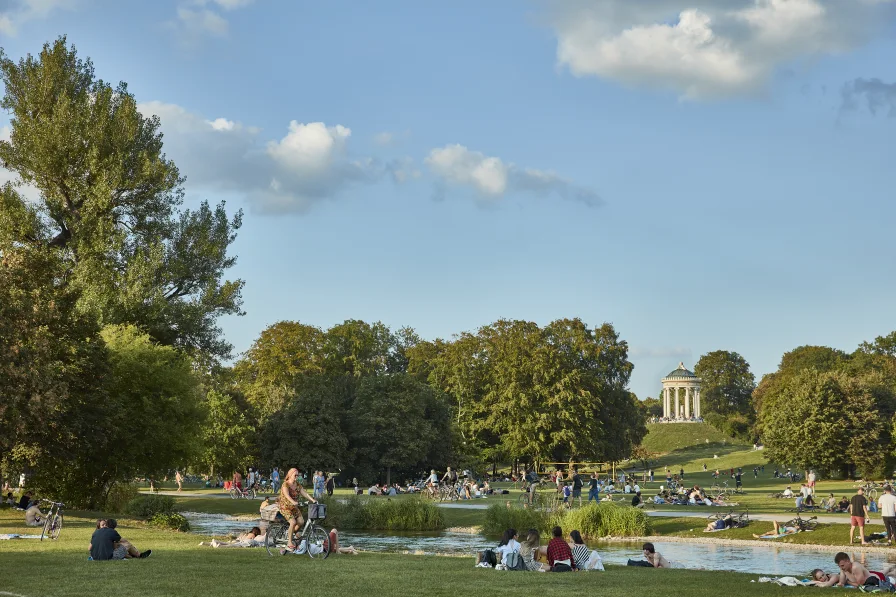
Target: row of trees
x=362 y=398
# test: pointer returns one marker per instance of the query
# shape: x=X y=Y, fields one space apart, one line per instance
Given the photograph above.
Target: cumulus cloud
x=309 y=163
x=492 y=178
x=18 y=12
x=706 y=48
x=206 y=17
x=873 y=94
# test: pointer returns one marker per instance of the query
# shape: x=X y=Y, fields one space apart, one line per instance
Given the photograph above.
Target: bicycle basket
x=270 y=513
x=317 y=511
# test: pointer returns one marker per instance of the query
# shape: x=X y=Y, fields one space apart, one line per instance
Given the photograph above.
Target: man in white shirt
x=788 y=492
x=887 y=504
x=628 y=488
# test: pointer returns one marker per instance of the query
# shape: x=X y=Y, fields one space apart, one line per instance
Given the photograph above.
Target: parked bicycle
x=237 y=493
x=739 y=519
x=52 y=520
x=315 y=538
x=802 y=524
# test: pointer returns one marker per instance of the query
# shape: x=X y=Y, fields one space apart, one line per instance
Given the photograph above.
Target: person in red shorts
x=858 y=514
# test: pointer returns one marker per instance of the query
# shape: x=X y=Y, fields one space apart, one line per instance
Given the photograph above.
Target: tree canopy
x=109 y=204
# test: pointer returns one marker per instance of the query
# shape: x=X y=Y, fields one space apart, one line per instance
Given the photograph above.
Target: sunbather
x=252 y=538
x=820 y=578
x=778 y=531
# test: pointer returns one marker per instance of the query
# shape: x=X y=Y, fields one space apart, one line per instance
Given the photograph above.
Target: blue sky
x=704 y=175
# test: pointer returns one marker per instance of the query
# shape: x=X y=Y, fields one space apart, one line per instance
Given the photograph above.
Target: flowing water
x=765 y=560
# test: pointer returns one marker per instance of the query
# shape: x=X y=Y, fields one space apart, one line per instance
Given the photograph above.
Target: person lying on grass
x=725 y=522
x=652 y=558
x=778 y=531
x=820 y=578
x=107 y=544
x=251 y=538
x=856 y=574
x=336 y=548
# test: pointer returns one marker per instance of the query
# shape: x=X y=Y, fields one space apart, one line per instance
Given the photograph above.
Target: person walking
x=810 y=481
x=577 y=485
x=651 y=475
x=179 y=479
x=275 y=479
x=887 y=503
x=858 y=515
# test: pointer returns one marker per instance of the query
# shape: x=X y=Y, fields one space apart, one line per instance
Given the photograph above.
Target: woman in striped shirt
x=580 y=551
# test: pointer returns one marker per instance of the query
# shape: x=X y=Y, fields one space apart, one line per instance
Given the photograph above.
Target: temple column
x=677 y=404
x=698 y=403
x=665 y=403
x=688 y=394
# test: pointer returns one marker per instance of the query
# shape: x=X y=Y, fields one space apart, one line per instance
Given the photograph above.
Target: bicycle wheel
x=523 y=500
x=872 y=493
x=250 y=494
x=318 y=542
x=55 y=525
x=276 y=539
x=234 y=493
x=809 y=525
x=45 y=531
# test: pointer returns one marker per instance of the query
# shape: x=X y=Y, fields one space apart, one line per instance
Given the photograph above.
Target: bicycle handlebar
x=45 y=501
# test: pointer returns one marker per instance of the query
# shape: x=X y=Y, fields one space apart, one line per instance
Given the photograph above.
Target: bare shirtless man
x=854 y=573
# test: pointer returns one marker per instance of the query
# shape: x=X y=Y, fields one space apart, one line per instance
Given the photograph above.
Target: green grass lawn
x=179 y=566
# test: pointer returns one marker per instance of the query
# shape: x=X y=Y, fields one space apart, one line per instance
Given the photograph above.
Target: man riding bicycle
x=450 y=477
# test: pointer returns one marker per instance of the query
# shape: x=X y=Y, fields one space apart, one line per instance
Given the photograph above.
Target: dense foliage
x=830 y=410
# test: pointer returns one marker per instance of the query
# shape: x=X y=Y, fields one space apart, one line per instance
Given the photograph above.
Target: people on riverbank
x=777 y=531
x=652 y=558
x=107 y=544
x=855 y=573
x=251 y=538
x=558 y=552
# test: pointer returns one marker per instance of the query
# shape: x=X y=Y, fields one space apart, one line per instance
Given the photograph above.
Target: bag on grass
x=515 y=562
x=643 y=563
x=489 y=557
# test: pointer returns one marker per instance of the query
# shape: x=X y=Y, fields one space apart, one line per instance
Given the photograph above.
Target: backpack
x=516 y=562
x=489 y=557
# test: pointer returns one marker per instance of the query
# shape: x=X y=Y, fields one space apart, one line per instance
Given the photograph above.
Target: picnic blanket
x=17 y=536
x=785 y=581
x=779 y=535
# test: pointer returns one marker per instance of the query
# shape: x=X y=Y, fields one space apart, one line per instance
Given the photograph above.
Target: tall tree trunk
x=389 y=476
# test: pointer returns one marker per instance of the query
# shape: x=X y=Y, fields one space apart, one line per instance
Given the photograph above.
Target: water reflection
x=766 y=560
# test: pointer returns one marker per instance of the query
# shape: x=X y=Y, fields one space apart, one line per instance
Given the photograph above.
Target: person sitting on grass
x=843 y=505
x=33 y=516
x=788 y=492
x=24 y=501
x=336 y=548
x=530 y=549
x=374 y=490
x=777 y=531
x=107 y=544
x=580 y=552
x=251 y=538
x=558 y=552
x=820 y=578
x=10 y=501
x=637 y=502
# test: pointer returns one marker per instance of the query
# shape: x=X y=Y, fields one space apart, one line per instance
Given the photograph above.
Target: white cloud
x=877 y=96
x=309 y=164
x=203 y=20
x=492 y=178
x=204 y=17
x=18 y=12
x=309 y=147
x=706 y=48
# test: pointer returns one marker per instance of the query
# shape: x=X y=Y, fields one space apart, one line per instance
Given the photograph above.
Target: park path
x=780 y=517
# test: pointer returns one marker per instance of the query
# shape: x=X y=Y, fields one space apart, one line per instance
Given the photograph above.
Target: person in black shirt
x=737 y=478
x=107 y=544
x=24 y=501
x=637 y=502
x=593 y=489
x=576 y=485
x=858 y=514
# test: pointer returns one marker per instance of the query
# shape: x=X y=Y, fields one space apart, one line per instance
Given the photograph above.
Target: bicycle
x=448 y=493
x=802 y=524
x=741 y=519
x=237 y=493
x=315 y=538
x=52 y=520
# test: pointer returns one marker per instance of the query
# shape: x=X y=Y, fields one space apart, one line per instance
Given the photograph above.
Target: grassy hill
x=667 y=437
x=690 y=445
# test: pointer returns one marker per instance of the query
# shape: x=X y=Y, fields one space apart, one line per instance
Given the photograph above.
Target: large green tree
x=727 y=383
x=399 y=424
x=229 y=434
x=309 y=433
x=556 y=392
x=830 y=420
x=109 y=204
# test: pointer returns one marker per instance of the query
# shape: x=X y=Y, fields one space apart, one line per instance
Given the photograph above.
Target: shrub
x=605 y=520
x=170 y=520
x=119 y=496
x=146 y=506
x=380 y=514
x=499 y=517
x=593 y=520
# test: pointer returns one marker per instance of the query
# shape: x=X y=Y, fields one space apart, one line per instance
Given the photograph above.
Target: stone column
x=698 y=402
x=688 y=394
x=677 y=407
x=666 y=403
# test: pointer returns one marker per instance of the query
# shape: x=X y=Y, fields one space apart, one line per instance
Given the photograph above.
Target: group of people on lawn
x=558 y=555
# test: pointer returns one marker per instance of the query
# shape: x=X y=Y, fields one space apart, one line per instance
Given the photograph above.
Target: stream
x=765 y=560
